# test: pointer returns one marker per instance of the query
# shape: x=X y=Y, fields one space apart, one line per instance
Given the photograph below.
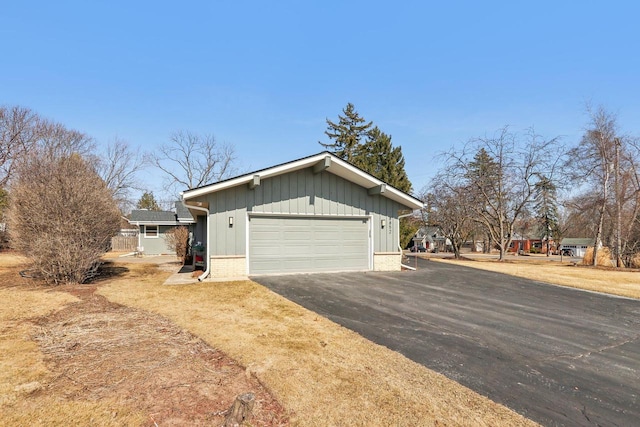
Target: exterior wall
x=299 y=193
x=155 y=245
x=228 y=266
x=387 y=261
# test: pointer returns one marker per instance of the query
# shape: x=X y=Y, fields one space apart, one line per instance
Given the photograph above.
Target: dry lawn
x=23 y=372
x=71 y=357
x=607 y=280
x=323 y=374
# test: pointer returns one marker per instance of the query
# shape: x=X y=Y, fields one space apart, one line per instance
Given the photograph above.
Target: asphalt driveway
x=559 y=356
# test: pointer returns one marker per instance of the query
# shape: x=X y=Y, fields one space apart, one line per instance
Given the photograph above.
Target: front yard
x=180 y=354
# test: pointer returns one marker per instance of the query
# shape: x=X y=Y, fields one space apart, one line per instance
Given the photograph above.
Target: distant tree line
x=507 y=185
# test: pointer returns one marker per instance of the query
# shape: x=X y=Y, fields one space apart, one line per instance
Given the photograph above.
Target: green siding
x=299 y=193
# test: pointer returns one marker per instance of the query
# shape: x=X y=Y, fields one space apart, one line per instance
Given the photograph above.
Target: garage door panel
x=298 y=245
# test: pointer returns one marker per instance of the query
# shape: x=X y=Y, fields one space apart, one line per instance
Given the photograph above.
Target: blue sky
x=264 y=76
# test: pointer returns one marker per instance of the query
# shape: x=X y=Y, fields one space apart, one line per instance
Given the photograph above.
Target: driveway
x=559 y=356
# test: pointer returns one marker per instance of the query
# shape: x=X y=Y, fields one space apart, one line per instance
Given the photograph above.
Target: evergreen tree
x=148 y=201
x=348 y=134
x=382 y=160
x=368 y=148
x=546 y=208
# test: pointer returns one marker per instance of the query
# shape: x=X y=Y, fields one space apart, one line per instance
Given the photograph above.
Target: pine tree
x=348 y=134
x=368 y=148
x=148 y=201
x=546 y=208
x=382 y=160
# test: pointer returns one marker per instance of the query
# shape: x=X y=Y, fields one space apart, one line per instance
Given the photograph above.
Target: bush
x=604 y=257
x=634 y=260
x=177 y=240
x=62 y=217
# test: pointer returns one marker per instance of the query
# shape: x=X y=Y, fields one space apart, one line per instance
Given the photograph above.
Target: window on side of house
x=150 y=231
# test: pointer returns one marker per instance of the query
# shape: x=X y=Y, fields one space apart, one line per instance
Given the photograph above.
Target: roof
x=151 y=217
x=578 y=241
x=183 y=214
x=430 y=231
x=145 y=216
x=323 y=161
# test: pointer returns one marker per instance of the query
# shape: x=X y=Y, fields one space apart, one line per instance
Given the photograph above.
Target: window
x=150 y=231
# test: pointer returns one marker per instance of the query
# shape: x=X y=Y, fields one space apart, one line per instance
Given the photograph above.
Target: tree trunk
x=600 y=220
x=241 y=410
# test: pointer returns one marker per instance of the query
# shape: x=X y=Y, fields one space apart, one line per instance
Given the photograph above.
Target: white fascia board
x=357 y=176
x=338 y=167
x=245 y=179
x=153 y=222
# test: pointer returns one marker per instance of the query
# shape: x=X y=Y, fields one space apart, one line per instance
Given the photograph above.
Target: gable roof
x=321 y=161
x=145 y=216
x=578 y=241
x=183 y=214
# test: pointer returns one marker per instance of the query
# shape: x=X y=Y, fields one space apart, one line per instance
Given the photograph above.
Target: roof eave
x=338 y=167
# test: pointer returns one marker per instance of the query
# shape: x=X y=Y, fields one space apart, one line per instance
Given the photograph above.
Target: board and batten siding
x=300 y=192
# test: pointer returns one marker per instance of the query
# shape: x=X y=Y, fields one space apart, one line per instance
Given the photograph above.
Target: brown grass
x=604 y=257
x=70 y=357
x=607 y=280
x=325 y=375
x=23 y=373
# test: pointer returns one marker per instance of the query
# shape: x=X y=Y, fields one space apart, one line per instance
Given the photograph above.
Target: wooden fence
x=124 y=243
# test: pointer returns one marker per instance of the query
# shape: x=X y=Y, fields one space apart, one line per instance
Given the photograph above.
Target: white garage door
x=307 y=245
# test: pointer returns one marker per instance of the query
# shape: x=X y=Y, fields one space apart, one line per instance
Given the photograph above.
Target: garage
x=289 y=244
x=315 y=214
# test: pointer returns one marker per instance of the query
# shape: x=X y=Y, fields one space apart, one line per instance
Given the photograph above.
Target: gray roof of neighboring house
x=578 y=241
x=183 y=213
x=145 y=216
x=430 y=231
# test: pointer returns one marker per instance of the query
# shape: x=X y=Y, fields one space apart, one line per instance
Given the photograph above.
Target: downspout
x=198 y=208
x=408 y=267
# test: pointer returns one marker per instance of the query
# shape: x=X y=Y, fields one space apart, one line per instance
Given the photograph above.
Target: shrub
x=604 y=257
x=62 y=217
x=634 y=260
x=177 y=240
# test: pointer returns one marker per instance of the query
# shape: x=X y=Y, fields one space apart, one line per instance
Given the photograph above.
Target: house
x=430 y=238
x=153 y=225
x=315 y=214
x=576 y=246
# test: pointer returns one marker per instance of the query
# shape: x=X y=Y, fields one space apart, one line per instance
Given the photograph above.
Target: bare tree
x=19 y=131
x=61 y=216
x=190 y=160
x=118 y=167
x=500 y=173
x=605 y=161
x=593 y=161
x=56 y=141
x=450 y=211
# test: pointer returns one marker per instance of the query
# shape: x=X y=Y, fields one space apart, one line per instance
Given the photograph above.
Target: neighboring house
x=578 y=246
x=153 y=225
x=316 y=214
x=431 y=238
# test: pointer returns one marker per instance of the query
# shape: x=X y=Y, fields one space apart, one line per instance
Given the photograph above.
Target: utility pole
x=618 y=206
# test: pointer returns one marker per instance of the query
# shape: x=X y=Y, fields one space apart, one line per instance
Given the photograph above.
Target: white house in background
x=578 y=246
x=430 y=238
x=315 y=214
